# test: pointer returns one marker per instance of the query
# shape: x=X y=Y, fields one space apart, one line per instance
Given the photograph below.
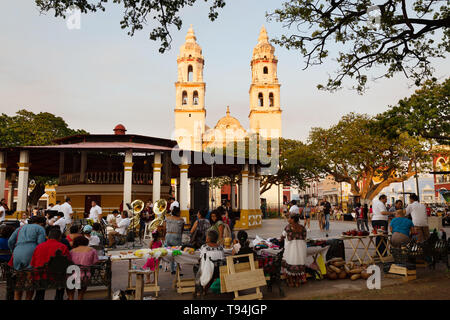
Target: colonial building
x=191 y=130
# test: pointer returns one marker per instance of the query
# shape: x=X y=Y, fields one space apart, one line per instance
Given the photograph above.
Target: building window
x=190 y=73
x=271 y=99
x=184 y=99
x=266 y=70
x=260 y=100
x=195 y=99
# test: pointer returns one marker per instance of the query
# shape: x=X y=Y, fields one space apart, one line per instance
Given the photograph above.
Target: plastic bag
x=215 y=287
x=207 y=270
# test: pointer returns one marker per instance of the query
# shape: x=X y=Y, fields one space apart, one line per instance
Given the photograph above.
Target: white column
x=2 y=174
x=157 y=165
x=127 y=177
x=251 y=190
x=184 y=196
x=257 y=189
x=22 y=188
x=83 y=166
x=243 y=221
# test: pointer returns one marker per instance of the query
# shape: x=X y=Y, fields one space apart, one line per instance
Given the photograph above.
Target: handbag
x=11 y=261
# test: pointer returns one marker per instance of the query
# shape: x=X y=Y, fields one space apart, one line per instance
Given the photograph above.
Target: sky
x=98 y=76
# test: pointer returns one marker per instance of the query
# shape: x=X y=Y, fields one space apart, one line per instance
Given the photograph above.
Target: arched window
x=195 y=98
x=271 y=99
x=184 y=99
x=266 y=70
x=261 y=100
x=190 y=73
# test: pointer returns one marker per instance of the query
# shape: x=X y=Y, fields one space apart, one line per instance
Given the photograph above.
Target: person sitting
x=44 y=252
x=120 y=229
x=97 y=231
x=94 y=241
x=5 y=233
x=212 y=257
x=401 y=228
x=74 y=232
x=60 y=221
x=242 y=246
x=152 y=262
x=82 y=255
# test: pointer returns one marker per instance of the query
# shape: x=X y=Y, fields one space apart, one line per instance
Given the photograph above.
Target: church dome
x=228 y=122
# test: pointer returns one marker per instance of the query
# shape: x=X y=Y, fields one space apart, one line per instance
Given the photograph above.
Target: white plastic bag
x=207 y=270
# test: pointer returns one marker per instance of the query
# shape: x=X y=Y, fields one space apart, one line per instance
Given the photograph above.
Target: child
x=152 y=263
x=241 y=246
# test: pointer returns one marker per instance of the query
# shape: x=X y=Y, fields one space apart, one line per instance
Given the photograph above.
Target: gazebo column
x=157 y=165
x=127 y=177
x=233 y=194
x=83 y=166
x=22 y=184
x=258 y=196
x=2 y=174
x=243 y=221
x=184 y=196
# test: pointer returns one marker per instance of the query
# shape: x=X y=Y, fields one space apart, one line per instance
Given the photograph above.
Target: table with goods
x=367 y=242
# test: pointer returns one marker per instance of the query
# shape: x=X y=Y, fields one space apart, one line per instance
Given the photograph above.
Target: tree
x=165 y=12
x=425 y=114
x=295 y=162
x=29 y=129
x=369 y=162
x=391 y=35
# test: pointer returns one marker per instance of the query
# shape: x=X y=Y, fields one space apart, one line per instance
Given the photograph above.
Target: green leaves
x=372 y=34
x=29 y=129
x=165 y=12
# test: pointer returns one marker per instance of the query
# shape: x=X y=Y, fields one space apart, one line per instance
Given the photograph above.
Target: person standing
x=146 y=216
x=60 y=221
x=380 y=217
x=294 y=208
x=66 y=208
x=173 y=229
x=57 y=206
x=173 y=203
x=308 y=217
x=199 y=229
x=2 y=212
x=418 y=213
x=365 y=216
x=96 y=212
x=359 y=217
x=326 y=212
x=294 y=256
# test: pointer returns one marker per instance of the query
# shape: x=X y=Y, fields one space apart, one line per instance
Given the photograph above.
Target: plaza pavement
x=271 y=228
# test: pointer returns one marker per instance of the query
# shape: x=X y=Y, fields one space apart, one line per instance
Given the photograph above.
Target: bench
x=54 y=275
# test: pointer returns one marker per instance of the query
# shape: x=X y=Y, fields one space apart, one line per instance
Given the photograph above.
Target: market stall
x=367 y=242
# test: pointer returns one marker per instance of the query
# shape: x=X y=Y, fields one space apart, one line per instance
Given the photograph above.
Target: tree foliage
x=369 y=162
x=136 y=14
x=26 y=128
x=425 y=114
x=391 y=35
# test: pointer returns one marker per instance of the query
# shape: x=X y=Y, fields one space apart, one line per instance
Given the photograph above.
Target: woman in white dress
x=294 y=256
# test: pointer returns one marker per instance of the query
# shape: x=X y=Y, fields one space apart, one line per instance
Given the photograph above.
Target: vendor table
x=141 y=287
x=313 y=252
x=130 y=257
x=356 y=241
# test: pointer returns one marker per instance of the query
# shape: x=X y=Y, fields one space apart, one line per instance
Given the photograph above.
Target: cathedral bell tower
x=190 y=110
x=265 y=110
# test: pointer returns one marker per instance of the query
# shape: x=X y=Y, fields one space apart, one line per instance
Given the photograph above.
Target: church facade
x=191 y=130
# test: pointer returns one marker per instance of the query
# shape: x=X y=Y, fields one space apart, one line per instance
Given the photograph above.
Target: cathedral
x=191 y=130
x=190 y=111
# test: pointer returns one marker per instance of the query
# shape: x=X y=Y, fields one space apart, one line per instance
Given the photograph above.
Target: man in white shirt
x=418 y=213
x=59 y=221
x=93 y=239
x=294 y=208
x=380 y=217
x=96 y=212
x=66 y=208
x=173 y=203
x=121 y=228
x=2 y=213
x=56 y=207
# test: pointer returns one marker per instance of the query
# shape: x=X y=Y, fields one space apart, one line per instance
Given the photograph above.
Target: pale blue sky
x=98 y=76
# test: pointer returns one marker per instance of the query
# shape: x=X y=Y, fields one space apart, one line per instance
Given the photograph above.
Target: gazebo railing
x=104 y=177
